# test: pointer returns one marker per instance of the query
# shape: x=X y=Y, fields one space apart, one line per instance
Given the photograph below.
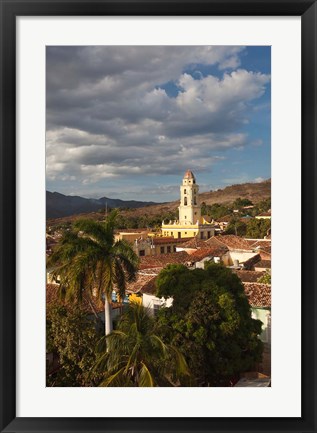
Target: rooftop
x=264 y=264
x=200 y=254
x=193 y=243
x=235 y=242
x=248 y=276
x=258 y=294
x=168 y=240
x=162 y=260
x=145 y=281
x=189 y=175
x=89 y=304
x=265 y=214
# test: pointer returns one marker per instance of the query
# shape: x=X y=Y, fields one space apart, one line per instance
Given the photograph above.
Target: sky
x=128 y=121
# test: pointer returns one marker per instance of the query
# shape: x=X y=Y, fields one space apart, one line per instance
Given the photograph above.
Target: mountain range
x=60 y=205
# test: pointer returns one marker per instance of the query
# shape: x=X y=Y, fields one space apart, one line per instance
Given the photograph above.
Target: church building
x=190 y=222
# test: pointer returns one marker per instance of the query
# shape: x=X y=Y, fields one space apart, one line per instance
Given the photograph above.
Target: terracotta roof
x=265 y=256
x=163 y=260
x=248 y=276
x=252 y=261
x=214 y=242
x=189 y=175
x=168 y=240
x=261 y=245
x=89 y=303
x=258 y=294
x=264 y=264
x=234 y=242
x=198 y=255
x=145 y=282
x=265 y=214
x=194 y=243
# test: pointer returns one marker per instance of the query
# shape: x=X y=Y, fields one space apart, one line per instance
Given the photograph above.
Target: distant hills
x=60 y=205
x=253 y=191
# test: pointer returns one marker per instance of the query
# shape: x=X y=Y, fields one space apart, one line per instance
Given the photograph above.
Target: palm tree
x=88 y=258
x=136 y=356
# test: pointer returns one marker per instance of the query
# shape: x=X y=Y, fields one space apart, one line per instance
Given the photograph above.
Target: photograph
x=144 y=148
x=158 y=216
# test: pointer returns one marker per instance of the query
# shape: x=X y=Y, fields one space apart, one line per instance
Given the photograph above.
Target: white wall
x=149 y=301
x=241 y=256
x=264 y=315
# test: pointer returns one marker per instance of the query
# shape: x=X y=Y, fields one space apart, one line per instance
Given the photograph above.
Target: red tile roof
x=264 y=264
x=234 y=242
x=89 y=303
x=214 y=242
x=168 y=240
x=209 y=244
x=145 y=282
x=163 y=260
x=261 y=245
x=265 y=214
x=189 y=175
x=258 y=294
x=251 y=262
x=248 y=276
x=193 y=243
x=200 y=254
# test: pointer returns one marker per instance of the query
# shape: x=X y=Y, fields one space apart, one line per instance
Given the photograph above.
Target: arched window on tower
x=184 y=191
x=185 y=201
x=195 y=201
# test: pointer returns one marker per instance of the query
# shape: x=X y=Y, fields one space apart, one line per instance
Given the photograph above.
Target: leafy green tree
x=88 y=258
x=241 y=202
x=211 y=324
x=236 y=227
x=72 y=338
x=261 y=206
x=215 y=210
x=136 y=356
x=258 y=228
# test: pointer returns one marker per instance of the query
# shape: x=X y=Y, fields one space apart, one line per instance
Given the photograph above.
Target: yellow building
x=264 y=215
x=190 y=222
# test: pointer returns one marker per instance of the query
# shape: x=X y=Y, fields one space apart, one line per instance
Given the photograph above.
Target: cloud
x=109 y=115
x=259 y=179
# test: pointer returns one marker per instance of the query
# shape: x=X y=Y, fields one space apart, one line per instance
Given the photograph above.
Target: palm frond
x=116 y=379
x=145 y=379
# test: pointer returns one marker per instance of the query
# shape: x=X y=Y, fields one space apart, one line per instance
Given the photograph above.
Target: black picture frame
x=10 y=9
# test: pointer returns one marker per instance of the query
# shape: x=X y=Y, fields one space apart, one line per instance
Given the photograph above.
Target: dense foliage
x=258 y=228
x=135 y=356
x=216 y=210
x=88 y=258
x=265 y=278
x=71 y=337
x=236 y=227
x=144 y=221
x=210 y=322
x=243 y=205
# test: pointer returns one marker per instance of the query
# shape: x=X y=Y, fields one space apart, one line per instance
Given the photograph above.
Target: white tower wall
x=189 y=209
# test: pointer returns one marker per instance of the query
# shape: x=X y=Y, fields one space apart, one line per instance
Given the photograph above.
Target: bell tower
x=189 y=209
